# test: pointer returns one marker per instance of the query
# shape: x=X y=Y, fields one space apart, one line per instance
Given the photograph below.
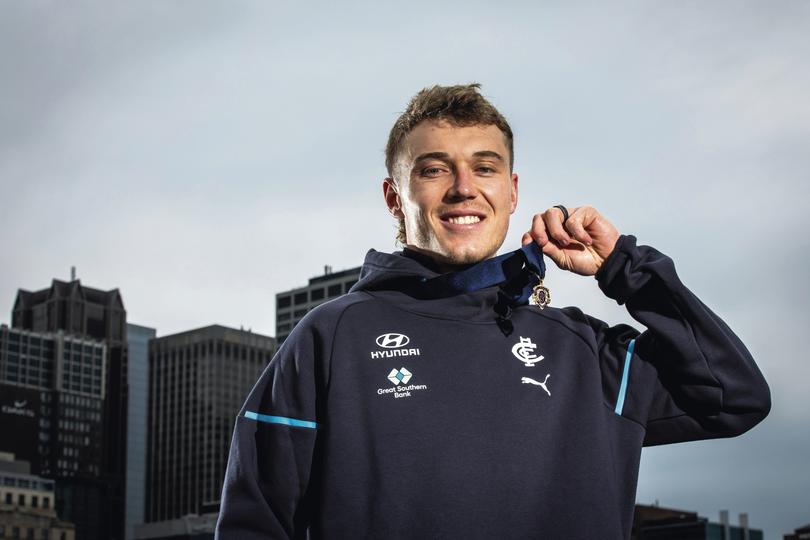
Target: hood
x=486 y=291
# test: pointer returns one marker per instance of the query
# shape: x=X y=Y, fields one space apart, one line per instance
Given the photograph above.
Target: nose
x=463 y=186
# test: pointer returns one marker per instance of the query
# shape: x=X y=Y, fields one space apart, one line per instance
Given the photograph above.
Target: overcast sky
x=203 y=156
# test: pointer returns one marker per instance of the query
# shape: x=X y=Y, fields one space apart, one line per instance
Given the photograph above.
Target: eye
x=431 y=171
x=486 y=170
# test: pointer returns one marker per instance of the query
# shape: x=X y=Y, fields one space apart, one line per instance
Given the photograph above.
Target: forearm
x=694 y=376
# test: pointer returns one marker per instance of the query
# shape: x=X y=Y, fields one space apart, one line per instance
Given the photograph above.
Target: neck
x=434 y=261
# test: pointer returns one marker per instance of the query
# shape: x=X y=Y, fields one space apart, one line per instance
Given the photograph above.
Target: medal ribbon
x=518 y=272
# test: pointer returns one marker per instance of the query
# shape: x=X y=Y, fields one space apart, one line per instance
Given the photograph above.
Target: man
x=433 y=401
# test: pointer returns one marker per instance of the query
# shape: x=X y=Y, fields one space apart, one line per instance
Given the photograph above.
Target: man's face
x=453 y=187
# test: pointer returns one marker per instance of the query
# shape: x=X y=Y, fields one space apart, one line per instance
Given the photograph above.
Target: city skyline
x=203 y=160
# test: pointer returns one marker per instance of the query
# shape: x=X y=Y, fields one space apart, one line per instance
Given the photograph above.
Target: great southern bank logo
x=393 y=344
x=399 y=376
x=524 y=351
x=401 y=389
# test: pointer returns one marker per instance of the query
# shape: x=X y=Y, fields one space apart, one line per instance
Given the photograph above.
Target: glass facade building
x=52 y=396
x=138 y=366
x=198 y=381
x=88 y=407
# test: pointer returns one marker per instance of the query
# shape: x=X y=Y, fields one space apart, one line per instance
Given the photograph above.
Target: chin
x=463 y=256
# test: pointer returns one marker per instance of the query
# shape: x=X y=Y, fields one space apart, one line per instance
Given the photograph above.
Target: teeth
x=464 y=220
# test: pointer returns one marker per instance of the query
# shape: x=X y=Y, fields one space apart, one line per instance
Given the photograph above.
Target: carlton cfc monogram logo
x=524 y=351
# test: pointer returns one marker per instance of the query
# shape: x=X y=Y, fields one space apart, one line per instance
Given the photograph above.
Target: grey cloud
x=202 y=158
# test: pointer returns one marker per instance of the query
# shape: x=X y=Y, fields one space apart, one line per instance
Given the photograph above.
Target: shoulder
x=324 y=318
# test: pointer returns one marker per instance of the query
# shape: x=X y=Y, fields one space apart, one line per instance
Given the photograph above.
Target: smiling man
x=443 y=398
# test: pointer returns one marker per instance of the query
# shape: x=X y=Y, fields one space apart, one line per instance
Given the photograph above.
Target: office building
x=96 y=504
x=198 y=381
x=657 y=523
x=802 y=533
x=138 y=376
x=292 y=305
x=51 y=398
x=27 y=504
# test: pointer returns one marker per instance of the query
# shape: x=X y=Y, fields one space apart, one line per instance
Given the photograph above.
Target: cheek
x=419 y=205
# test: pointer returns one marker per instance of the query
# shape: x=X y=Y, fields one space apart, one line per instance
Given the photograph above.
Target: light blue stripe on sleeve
x=281 y=420
x=625 y=376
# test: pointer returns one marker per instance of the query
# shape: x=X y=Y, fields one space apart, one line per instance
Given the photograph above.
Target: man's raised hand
x=580 y=245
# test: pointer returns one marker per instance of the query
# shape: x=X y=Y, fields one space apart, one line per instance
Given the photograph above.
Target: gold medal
x=541 y=296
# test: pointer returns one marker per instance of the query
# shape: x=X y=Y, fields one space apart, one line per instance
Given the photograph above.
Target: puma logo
x=538 y=383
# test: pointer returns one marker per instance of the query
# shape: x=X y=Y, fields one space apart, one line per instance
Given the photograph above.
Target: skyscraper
x=94 y=504
x=51 y=400
x=198 y=381
x=138 y=366
x=292 y=305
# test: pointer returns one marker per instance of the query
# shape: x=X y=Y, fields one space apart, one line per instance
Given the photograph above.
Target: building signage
x=18 y=407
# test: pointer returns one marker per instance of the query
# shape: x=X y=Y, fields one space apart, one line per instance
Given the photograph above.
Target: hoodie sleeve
x=265 y=493
x=688 y=376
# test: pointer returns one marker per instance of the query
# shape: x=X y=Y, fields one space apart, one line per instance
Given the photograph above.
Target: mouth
x=462 y=219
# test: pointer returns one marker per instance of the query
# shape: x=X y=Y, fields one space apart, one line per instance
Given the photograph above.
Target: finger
x=555 y=253
x=538 y=230
x=553 y=218
x=574 y=225
x=548 y=248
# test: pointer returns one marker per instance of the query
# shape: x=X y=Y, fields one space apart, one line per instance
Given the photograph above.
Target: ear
x=392 y=199
x=514 y=194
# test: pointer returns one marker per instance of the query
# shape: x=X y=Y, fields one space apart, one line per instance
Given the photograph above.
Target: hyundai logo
x=392 y=341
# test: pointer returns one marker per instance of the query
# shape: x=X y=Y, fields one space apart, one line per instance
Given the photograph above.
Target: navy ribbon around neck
x=517 y=272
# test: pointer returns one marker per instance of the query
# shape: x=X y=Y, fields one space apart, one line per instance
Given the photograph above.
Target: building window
x=334 y=290
x=284 y=316
x=299 y=313
x=34 y=501
x=316 y=294
x=21 y=499
x=300 y=298
x=9 y=499
x=46 y=502
x=283 y=301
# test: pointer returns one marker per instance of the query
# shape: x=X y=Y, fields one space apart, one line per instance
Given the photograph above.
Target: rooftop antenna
x=327 y=270
x=72 y=273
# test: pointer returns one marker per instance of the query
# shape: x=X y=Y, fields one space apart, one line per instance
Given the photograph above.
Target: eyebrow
x=490 y=154
x=444 y=156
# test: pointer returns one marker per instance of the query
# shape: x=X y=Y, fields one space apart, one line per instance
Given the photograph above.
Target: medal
x=541 y=296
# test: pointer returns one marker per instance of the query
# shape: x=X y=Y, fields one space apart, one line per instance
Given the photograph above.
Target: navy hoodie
x=388 y=413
